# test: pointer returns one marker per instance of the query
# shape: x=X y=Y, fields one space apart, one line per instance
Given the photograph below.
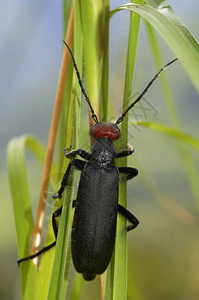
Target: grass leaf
x=120 y=267
x=175 y=133
x=173 y=31
x=22 y=205
x=90 y=30
x=186 y=157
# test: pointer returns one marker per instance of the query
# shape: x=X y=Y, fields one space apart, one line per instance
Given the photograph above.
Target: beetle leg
x=79 y=152
x=74 y=203
x=55 y=214
x=125 y=152
x=78 y=164
x=129 y=216
x=130 y=172
x=36 y=254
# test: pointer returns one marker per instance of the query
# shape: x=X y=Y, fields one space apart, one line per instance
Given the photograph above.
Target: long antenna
x=120 y=119
x=81 y=84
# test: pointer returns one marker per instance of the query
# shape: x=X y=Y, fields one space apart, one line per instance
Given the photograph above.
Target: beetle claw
x=56 y=196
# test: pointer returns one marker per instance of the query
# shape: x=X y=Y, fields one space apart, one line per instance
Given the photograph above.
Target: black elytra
x=96 y=206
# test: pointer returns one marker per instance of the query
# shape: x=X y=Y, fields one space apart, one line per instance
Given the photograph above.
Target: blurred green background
x=163 y=251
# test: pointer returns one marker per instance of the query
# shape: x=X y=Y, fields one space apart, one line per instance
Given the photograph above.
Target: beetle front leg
x=79 y=152
x=78 y=164
x=129 y=216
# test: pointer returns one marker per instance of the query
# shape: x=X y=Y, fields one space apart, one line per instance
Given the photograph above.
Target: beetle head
x=105 y=130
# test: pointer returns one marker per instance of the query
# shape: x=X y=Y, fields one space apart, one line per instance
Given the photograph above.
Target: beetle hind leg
x=129 y=216
x=55 y=214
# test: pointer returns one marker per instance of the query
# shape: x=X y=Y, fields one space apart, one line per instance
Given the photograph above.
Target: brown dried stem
x=52 y=136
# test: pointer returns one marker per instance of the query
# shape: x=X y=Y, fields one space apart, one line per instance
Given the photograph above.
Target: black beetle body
x=96 y=206
x=94 y=225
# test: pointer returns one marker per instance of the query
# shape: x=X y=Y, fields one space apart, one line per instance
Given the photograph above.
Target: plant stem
x=52 y=138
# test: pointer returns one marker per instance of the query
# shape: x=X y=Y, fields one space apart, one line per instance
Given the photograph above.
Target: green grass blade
x=174 y=133
x=77 y=105
x=59 y=278
x=77 y=287
x=108 y=290
x=90 y=14
x=22 y=205
x=105 y=65
x=187 y=160
x=176 y=35
x=120 y=267
x=166 y=90
x=66 y=5
x=57 y=288
x=63 y=127
x=171 y=15
x=58 y=272
x=78 y=47
x=167 y=202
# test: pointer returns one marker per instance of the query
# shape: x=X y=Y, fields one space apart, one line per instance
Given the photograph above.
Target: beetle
x=96 y=206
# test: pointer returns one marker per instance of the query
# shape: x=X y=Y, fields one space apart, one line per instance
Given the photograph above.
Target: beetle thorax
x=103 y=152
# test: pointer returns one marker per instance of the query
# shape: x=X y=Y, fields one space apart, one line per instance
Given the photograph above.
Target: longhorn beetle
x=96 y=205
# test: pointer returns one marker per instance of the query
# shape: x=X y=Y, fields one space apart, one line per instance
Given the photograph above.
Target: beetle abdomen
x=94 y=225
